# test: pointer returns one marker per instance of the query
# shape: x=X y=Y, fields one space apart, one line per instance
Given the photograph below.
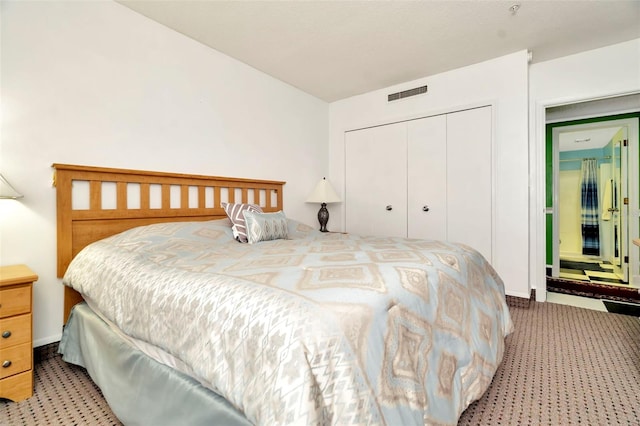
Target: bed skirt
x=139 y=390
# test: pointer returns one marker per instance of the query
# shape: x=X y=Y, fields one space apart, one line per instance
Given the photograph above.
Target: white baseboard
x=46 y=340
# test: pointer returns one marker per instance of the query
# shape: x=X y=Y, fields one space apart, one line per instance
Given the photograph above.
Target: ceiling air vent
x=407 y=93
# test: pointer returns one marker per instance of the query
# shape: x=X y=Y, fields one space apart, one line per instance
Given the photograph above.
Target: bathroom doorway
x=594 y=187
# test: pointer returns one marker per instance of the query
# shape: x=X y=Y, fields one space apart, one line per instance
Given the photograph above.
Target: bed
x=178 y=322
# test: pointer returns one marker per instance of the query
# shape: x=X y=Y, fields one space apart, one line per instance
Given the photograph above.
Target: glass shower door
x=618 y=250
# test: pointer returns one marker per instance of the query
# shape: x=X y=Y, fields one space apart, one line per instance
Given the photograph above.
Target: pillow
x=266 y=226
x=235 y=211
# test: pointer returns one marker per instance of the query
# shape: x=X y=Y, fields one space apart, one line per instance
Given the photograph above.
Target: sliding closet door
x=427 y=178
x=469 y=179
x=376 y=181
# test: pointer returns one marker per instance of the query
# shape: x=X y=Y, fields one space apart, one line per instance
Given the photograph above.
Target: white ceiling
x=591 y=138
x=337 y=49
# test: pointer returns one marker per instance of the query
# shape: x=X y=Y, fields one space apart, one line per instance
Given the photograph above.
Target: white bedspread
x=319 y=329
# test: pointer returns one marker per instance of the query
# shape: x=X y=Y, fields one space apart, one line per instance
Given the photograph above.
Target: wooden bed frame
x=79 y=227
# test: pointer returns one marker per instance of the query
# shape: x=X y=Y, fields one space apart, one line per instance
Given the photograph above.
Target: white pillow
x=266 y=226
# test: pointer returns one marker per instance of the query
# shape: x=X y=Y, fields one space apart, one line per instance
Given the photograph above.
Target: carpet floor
x=562 y=366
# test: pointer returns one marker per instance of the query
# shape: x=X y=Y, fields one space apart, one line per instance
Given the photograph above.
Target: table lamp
x=323 y=193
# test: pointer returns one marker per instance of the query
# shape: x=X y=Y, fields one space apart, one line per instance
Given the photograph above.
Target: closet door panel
x=427 y=178
x=469 y=179
x=375 y=177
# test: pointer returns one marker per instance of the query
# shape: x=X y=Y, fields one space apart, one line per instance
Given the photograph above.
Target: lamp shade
x=7 y=191
x=323 y=193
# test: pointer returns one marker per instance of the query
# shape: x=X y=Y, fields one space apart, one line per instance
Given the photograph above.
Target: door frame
x=631 y=227
x=538 y=209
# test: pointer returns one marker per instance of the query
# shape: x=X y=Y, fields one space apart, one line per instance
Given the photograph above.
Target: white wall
x=502 y=82
x=95 y=83
x=600 y=73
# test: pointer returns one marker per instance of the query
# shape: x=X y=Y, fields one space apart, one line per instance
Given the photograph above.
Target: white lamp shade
x=8 y=191
x=323 y=193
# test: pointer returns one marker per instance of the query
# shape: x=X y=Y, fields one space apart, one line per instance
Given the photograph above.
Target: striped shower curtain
x=589 y=208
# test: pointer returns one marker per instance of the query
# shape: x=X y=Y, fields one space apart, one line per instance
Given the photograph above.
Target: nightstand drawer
x=15 y=331
x=17 y=387
x=15 y=359
x=15 y=301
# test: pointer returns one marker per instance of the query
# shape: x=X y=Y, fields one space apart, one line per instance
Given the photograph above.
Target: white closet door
x=469 y=179
x=375 y=178
x=427 y=178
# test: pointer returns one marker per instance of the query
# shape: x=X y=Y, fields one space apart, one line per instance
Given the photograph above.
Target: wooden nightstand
x=16 y=342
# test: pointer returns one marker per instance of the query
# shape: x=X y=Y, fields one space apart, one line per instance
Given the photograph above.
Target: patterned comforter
x=317 y=329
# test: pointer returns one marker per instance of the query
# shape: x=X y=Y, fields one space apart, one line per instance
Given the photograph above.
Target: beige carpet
x=563 y=365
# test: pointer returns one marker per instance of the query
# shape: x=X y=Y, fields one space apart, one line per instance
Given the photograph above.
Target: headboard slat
x=144 y=196
x=121 y=195
x=95 y=195
x=166 y=196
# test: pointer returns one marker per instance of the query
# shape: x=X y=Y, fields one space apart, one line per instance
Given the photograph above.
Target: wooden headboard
x=120 y=199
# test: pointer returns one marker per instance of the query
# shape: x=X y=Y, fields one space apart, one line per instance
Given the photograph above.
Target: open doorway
x=592 y=181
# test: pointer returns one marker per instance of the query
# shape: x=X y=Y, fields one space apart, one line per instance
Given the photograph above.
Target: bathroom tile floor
x=594 y=272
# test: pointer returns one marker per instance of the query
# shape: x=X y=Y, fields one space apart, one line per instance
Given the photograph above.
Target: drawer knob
x=6 y=334
x=6 y=364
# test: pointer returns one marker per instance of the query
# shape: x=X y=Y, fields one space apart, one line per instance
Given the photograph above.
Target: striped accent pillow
x=266 y=226
x=235 y=211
